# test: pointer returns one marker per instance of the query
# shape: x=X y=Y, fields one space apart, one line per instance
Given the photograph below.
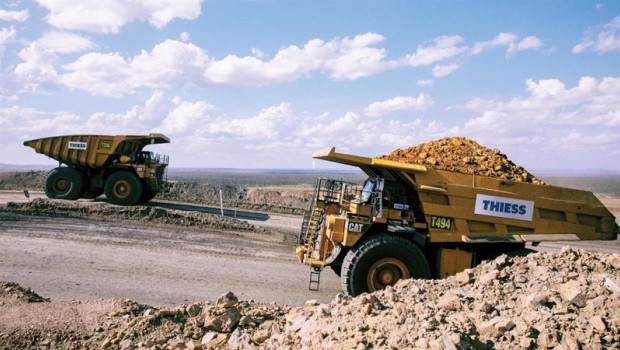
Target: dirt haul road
x=163 y=265
x=160 y=265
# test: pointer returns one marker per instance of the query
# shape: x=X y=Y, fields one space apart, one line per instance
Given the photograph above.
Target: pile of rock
x=567 y=300
x=463 y=155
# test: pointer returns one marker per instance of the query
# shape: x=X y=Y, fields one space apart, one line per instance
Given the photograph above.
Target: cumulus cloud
x=14 y=16
x=528 y=43
x=601 y=39
x=509 y=40
x=175 y=62
x=38 y=67
x=552 y=111
x=399 y=103
x=63 y=42
x=267 y=124
x=114 y=14
x=444 y=70
x=424 y=82
x=112 y=75
x=444 y=47
x=7 y=34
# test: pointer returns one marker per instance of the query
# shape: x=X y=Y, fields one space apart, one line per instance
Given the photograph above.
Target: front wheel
x=382 y=261
x=123 y=188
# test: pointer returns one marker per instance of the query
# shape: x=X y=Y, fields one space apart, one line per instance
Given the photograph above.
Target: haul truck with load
x=94 y=164
x=413 y=221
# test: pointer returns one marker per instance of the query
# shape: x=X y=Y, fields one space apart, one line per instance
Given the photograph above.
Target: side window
x=367 y=190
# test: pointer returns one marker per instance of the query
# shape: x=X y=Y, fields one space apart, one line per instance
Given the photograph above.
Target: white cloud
x=507 y=39
x=112 y=75
x=258 y=53
x=63 y=42
x=501 y=39
x=37 y=68
x=399 y=103
x=551 y=112
x=444 y=70
x=113 y=14
x=601 y=39
x=444 y=47
x=7 y=34
x=530 y=42
x=425 y=82
x=174 y=62
x=267 y=125
x=355 y=58
x=15 y=16
x=22 y=123
x=346 y=58
x=184 y=37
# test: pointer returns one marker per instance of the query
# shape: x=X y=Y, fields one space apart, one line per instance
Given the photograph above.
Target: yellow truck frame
x=415 y=221
x=94 y=164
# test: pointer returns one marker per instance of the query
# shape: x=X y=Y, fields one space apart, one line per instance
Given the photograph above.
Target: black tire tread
x=135 y=183
x=73 y=175
x=356 y=254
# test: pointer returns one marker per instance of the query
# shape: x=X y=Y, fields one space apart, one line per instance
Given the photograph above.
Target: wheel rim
x=386 y=272
x=61 y=185
x=121 y=189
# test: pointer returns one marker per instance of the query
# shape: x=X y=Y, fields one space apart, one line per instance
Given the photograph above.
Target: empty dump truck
x=413 y=221
x=94 y=164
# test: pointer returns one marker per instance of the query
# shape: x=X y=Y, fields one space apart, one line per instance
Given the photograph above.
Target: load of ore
x=463 y=155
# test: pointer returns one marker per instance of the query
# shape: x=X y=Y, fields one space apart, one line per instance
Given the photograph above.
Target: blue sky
x=263 y=84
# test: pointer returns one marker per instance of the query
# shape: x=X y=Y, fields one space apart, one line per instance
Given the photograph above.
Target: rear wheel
x=382 y=261
x=63 y=183
x=123 y=188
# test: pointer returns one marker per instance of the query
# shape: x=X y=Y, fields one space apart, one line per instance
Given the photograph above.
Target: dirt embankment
x=280 y=200
x=22 y=180
x=568 y=300
x=463 y=155
x=152 y=215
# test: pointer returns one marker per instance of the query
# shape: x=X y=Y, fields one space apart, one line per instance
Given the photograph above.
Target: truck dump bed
x=92 y=151
x=468 y=208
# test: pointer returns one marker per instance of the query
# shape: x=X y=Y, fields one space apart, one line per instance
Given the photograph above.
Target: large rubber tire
x=64 y=183
x=381 y=261
x=123 y=188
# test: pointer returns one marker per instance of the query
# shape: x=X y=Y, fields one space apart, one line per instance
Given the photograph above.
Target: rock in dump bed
x=463 y=155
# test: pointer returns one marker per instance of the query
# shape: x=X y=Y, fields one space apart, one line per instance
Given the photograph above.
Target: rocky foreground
x=567 y=300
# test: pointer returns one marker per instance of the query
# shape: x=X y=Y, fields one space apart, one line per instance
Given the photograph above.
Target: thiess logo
x=503 y=207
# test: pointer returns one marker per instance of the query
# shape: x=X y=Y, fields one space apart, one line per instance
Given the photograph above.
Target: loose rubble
x=463 y=155
x=566 y=300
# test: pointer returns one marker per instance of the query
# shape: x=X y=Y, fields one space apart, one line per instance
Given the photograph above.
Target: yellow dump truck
x=94 y=164
x=412 y=221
